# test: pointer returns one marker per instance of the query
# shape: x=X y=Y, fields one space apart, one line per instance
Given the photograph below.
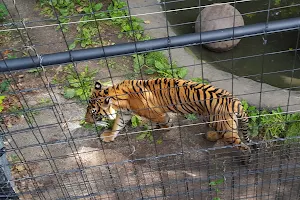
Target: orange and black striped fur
x=152 y=99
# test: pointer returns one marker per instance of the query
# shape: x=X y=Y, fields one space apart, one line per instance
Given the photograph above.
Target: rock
x=219 y=17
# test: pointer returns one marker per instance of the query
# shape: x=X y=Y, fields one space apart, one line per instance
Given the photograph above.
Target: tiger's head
x=100 y=105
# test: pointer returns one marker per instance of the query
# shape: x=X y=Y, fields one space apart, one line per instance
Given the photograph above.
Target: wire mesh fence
x=53 y=153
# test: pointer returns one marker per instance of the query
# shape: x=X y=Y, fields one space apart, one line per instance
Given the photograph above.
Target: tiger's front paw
x=108 y=136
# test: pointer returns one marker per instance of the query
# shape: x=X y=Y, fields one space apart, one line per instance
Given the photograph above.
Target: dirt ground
x=55 y=158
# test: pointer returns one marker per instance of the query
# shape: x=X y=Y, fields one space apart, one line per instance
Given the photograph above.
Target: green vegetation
x=35 y=71
x=191 y=117
x=3 y=12
x=130 y=26
x=97 y=127
x=87 y=29
x=13 y=158
x=147 y=134
x=199 y=80
x=4 y=86
x=78 y=84
x=2 y=97
x=44 y=101
x=217 y=190
x=156 y=63
x=153 y=63
x=272 y=124
x=286 y=12
x=289 y=11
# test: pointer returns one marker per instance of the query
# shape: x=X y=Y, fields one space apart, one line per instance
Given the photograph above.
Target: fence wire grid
x=49 y=152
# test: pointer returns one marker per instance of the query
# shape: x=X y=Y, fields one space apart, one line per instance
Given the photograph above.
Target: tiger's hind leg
x=212 y=136
x=166 y=123
x=160 y=120
x=233 y=138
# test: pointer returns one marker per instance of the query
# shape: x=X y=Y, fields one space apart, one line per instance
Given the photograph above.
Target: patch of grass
x=91 y=126
x=44 y=101
x=272 y=124
x=78 y=84
x=15 y=110
x=215 y=185
x=191 y=117
x=293 y=127
x=13 y=158
x=2 y=97
x=9 y=105
x=4 y=86
x=87 y=29
x=199 y=80
x=3 y=12
x=155 y=63
x=147 y=134
x=136 y=121
x=35 y=71
x=289 y=11
x=130 y=26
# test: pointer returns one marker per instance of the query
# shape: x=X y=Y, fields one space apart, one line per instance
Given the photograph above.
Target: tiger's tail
x=244 y=121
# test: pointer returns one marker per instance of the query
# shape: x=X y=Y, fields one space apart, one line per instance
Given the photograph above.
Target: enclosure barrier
x=53 y=156
x=150 y=45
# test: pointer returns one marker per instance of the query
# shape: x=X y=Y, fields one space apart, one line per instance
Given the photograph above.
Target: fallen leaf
x=147 y=22
x=6 y=52
x=79 y=9
x=20 y=168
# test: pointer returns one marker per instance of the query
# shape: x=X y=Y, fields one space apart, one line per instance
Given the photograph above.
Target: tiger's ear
x=98 y=85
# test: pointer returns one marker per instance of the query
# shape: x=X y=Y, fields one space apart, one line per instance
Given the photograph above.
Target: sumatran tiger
x=152 y=99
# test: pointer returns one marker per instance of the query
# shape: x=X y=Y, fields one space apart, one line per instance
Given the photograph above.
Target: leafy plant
x=217 y=190
x=87 y=29
x=199 y=80
x=131 y=26
x=35 y=71
x=135 y=121
x=146 y=134
x=13 y=158
x=4 y=86
x=2 y=97
x=79 y=84
x=293 y=127
x=91 y=126
x=3 y=12
x=157 y=63
x=44 y=101
x=289 y=11
x=272 y=124
x=191 y=117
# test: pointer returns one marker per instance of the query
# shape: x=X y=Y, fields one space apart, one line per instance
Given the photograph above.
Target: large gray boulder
x=219 y=17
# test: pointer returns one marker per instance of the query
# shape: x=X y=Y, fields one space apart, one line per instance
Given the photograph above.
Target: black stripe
x=204 y=101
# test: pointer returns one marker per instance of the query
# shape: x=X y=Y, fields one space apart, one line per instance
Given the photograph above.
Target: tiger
x=154 y=98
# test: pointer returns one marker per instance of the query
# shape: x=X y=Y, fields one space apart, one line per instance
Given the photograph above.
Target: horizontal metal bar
x=150 y=45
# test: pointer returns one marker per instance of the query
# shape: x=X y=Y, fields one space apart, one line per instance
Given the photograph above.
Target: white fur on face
x=113 y=113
